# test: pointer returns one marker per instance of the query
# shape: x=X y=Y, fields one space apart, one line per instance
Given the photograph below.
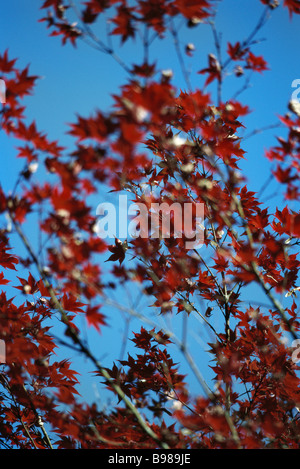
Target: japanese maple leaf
x=3 y=281
x=295 y=224
x=235 y=51
x=53 y=3
x=57 y=5
x=6 y=65
x=68 y=33
x=271 y=3
x=256 y=63
x=193 y=8
x=94 y=318
x=123 y=20
x=7 y=261
x=97 y=6
x=28 y=285
x=293 y=6
x=88 y=16
x=70 y=303
x=213 y=69
x=118 y=251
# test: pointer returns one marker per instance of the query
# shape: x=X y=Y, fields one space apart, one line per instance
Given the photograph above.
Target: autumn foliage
x=184 y=145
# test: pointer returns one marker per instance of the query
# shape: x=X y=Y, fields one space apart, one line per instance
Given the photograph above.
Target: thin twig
x=185 y=74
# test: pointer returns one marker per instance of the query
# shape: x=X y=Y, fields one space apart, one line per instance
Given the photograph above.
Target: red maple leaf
x=213 y=69
x=256 y=63
x=94 y=318
x=118 y=251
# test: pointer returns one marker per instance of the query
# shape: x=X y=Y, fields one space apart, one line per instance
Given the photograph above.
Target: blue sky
x=81 y=80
